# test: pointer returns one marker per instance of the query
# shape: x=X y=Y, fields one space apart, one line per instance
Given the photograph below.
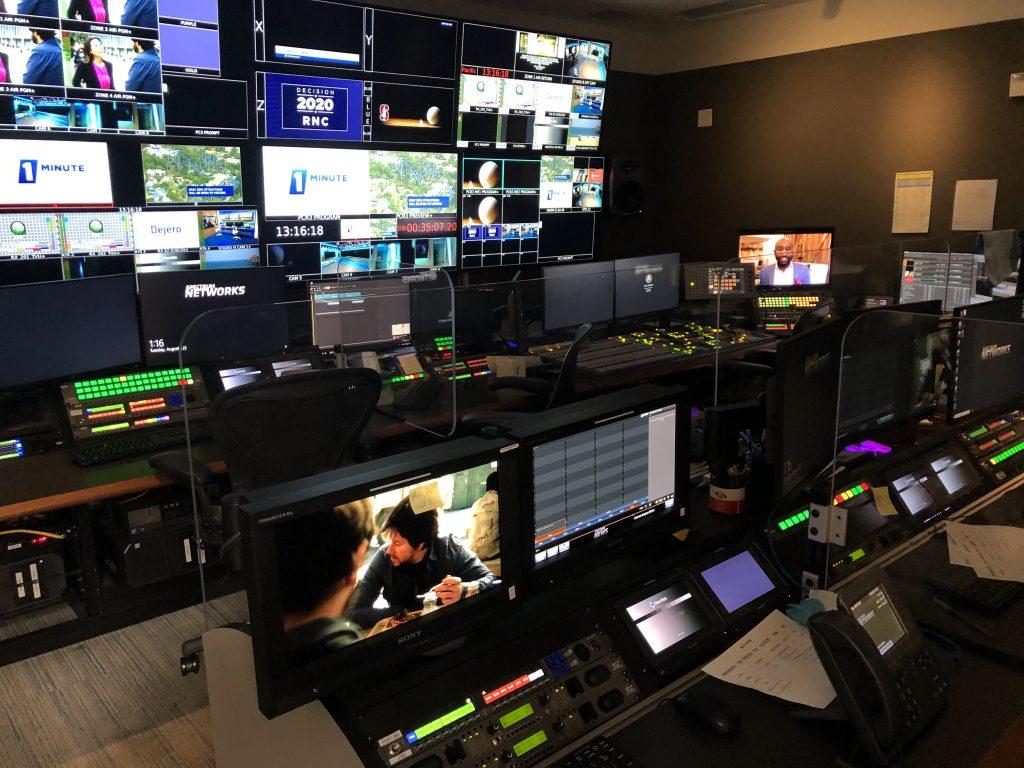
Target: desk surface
x=48 y=482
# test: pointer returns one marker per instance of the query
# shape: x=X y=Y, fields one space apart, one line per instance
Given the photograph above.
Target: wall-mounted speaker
x=627 y=187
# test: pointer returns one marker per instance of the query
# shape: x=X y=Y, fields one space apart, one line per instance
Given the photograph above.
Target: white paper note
x=776 y=657
x=912 y=202
x=974 y=205
x=993 y=551
x=828 y=599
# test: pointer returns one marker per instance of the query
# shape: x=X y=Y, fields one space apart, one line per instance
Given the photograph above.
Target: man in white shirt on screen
x=785 y=272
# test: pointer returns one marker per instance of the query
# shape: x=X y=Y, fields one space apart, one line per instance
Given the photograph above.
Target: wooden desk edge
x=91 y=495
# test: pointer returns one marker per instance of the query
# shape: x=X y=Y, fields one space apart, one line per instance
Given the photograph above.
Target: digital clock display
x=307 y=231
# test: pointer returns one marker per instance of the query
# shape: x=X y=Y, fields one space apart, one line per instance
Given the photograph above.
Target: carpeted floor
x=115 y=701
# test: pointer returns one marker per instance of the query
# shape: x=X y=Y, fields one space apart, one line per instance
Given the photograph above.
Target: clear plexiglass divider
x=907 y=378
x=401 y=326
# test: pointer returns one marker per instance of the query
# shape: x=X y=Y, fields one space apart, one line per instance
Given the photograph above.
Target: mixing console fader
x=525 y=716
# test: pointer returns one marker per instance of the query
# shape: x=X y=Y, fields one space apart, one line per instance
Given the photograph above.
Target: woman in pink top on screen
x=94 y=72
x=89 y=10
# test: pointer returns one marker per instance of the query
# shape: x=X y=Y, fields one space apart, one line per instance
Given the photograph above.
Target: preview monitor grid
x=522 y=211
x=93 y=243
x=352 y=211
x=99 y=65
x=528 y=90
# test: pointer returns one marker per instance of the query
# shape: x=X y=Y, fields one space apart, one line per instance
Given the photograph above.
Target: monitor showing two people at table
x=788 y=258
x=370 y=565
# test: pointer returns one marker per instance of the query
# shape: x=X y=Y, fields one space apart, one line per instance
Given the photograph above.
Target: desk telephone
x=887 y=680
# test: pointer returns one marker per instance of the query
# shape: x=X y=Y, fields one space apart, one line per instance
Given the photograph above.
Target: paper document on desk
x=776 y=657
x=993 y=551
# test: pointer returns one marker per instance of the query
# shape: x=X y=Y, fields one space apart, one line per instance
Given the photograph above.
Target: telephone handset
x=886 y=679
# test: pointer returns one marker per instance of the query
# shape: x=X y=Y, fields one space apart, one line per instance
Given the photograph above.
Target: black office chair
x=545 y=393
x=271 y=432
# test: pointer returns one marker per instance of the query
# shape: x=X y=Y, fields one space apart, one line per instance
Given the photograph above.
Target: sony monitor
x=228 y=313
x=578 y=294
x=355 y=572
x=601 y=475
x=988 y=347
x=646 y=285
x=66 y=328
x=788 y=258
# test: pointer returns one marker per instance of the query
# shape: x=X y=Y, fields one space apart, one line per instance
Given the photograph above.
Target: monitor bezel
x=955 y=416
x=582 y=417
x=280 y=689
x=664 y=311
x=790 y=231
x=758 y=605
x=682 y=651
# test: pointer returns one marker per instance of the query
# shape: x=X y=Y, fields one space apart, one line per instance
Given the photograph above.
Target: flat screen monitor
x=53 y=330
x=788 y=258
x=646 y=285
x=601 y=473
x=989 y=355
x=53 y=83
x=519 y=211
x=177 y=174
x=360 y=313
x=578 y=294
x=955 y=279
x=48 y=174
x=531 y=91
x=337 y=211
x=354 y=572
x=801 y=437
x=240 y=309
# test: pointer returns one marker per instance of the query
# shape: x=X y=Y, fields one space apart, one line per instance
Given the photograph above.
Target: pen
x=949 y=609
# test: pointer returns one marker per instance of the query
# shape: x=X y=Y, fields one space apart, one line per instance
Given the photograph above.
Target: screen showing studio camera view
x=786 y=260
x=594 y=483
x=103 y=66
x=369 y=566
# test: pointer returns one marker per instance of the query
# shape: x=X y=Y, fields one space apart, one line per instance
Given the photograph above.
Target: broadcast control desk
x=585 y=667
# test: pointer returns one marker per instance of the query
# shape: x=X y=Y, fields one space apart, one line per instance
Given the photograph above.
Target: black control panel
x=525 y=716
x=997 y=446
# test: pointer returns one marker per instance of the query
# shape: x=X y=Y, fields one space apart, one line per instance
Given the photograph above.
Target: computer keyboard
x=139 y=444
x=963 y=585
x=599 y=752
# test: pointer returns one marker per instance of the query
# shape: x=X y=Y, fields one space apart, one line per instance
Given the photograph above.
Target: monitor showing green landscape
x=189 y=173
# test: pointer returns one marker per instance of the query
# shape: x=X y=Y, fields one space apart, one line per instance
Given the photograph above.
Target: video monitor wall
x=75 y=244
x=352 y=211
x=103 y=66
x=528 y=211
x=790 y=259
x=527 y=90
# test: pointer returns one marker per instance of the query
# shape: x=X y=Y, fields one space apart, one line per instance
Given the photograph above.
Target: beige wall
x=674 y=46
x=820 y=24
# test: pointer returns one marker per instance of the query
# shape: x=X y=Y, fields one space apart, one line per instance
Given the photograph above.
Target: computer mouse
x=713 y=713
